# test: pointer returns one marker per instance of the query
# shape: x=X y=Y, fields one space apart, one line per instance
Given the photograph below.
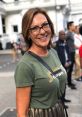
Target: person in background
x=70 y=43
x=78 y=43
x=15 y=47
x=14 y=51
x=62 y=47
x=80 y=53
x=37 y=89
x=80 y=50
x=23 y=47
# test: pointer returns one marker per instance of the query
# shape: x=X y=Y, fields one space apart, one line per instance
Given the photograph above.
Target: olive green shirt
x=46 y=89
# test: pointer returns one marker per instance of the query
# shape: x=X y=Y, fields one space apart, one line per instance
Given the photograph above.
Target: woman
x=37 y=90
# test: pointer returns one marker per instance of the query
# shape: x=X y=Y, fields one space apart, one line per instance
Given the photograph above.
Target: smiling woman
x=40 y=33
x=37 y=89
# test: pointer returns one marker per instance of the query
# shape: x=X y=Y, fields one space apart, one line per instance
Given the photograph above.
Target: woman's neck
x=39 y=51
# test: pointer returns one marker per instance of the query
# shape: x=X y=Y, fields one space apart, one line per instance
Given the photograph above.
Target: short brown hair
x=27 y=20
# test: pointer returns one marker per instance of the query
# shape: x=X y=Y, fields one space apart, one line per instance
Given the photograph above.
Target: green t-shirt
x=45 y=88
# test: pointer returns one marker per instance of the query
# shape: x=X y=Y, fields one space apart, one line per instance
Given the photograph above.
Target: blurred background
x=11 y=13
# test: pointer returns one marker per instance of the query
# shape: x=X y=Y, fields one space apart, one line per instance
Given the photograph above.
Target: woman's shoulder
x=53 y=51
x=26 y=59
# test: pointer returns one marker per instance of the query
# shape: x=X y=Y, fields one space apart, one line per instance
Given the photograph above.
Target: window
x=3 y=25
x=15 y=28
x=4 y=30
x=3 y=21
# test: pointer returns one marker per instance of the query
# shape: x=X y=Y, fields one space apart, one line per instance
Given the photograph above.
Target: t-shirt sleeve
x=24 y=75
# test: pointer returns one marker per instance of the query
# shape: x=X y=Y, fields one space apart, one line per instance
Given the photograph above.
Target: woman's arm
x=23 y=96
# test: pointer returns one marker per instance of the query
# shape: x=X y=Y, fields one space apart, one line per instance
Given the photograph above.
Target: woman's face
x=40 y=31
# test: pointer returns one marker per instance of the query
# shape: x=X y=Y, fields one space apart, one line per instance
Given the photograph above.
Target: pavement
x=9 y=51
x=7 y=92
x=75 y=106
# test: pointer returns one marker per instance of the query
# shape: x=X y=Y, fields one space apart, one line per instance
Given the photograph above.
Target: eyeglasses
x=36 y=29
